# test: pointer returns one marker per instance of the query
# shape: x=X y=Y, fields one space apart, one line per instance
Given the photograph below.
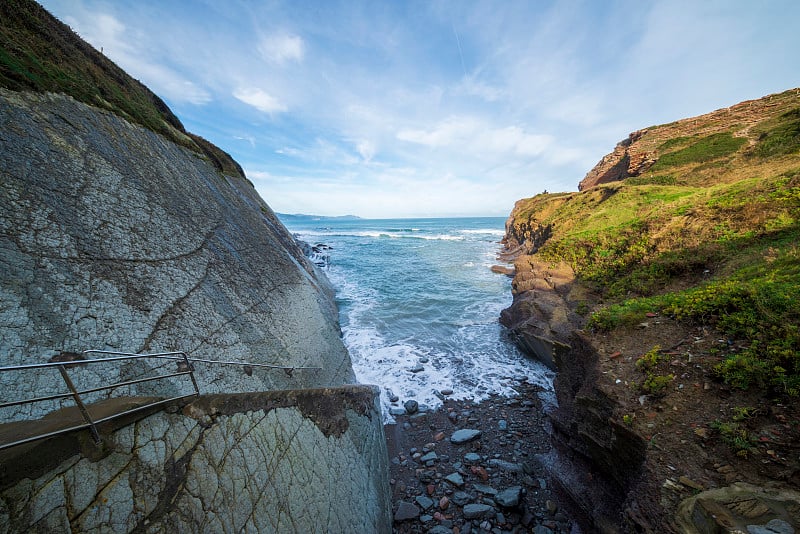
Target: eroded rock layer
x=113 y=237
x=287 y=461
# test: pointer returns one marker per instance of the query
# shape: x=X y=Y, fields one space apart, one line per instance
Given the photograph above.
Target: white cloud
x=366 y=149
x=259 y=99
x=282 y=48
x=473 y=87
x=477 y=136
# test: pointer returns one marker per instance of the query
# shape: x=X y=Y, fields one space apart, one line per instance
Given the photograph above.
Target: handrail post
x=190 y=368
x=79 y=402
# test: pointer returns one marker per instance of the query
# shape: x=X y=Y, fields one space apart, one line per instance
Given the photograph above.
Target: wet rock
x=486 y=490
x=455 y=479
x=424 y=502
x=430 y=457
x=444 y=503
x=480 y=472
x=417 y=368
x=461 y=498
x=510 y=497
x=477 y=511
x=775 y=526
x=411 y=406
x=406 y=511
x=440 y=529
x=472 y=458
x=464 y=435
x=505 y=465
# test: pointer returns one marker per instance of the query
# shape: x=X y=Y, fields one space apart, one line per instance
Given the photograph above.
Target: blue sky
x=437 y=108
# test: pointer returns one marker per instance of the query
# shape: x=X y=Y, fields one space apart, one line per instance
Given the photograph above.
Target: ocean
x=419 y=306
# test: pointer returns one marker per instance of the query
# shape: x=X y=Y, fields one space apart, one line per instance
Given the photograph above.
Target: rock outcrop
x=645 y=417
x=639 y=152
x=284 y=461
x=116 y=238
x=622 y=163
x=120 y=231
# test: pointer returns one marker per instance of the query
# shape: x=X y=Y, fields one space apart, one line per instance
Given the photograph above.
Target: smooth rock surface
x=475 y=511
x=261 y=464
x=465 y=435
x=509 y=497
x=112 y=237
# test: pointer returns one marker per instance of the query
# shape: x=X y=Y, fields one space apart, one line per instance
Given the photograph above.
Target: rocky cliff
x=116 y=238
x=287 y=461
x=121 y=231
x=661 y=293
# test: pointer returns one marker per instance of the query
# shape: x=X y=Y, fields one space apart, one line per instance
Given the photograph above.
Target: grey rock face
x=464 y=435
x=510 y=497
x=112 y=237
x=293 y=462
x=475 y=511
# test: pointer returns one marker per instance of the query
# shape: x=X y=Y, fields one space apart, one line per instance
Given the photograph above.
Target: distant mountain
x=306 y=217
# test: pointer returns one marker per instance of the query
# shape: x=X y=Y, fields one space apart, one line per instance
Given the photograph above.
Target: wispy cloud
x=393 y=108
x=259 y=99
x=282 y=48
x=471 y=135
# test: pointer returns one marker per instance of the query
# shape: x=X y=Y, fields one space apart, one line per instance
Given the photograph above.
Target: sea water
x=419 y=294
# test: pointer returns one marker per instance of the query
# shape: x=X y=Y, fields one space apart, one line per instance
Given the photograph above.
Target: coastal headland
x=664 y=294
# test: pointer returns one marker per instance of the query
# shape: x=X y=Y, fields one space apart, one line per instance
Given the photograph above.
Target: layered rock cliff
x=660 y=293
x=116 y=238
x=121 y=231
x=289 y=461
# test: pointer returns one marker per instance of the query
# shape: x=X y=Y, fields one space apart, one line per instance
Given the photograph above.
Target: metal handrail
x=91 y=424
x=77 y=394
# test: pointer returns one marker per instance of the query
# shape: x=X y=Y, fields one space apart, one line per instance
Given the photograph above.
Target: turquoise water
x=420 y=292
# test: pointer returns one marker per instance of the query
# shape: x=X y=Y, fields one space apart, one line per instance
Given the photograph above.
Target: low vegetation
x=707 y=235
x=39 y=53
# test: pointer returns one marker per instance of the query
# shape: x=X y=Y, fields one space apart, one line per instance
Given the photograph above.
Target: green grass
x=781 y=137
x=757 y=304
x=39 y=53
x=733 y=247
x=703 y=150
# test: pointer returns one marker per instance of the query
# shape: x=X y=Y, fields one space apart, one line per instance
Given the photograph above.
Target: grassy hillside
x=707 y=233
x=39 y=53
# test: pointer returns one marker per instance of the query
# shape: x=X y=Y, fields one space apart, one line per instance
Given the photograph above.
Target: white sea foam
x=405 y=301
x=411 y=234
x=484 y=232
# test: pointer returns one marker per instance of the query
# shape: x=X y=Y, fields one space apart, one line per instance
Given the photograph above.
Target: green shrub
x=703 y=150
x=735 y=436
x=783 y=139
x=656 y=384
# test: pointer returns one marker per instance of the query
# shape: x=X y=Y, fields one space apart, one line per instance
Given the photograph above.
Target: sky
x=394 y=108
